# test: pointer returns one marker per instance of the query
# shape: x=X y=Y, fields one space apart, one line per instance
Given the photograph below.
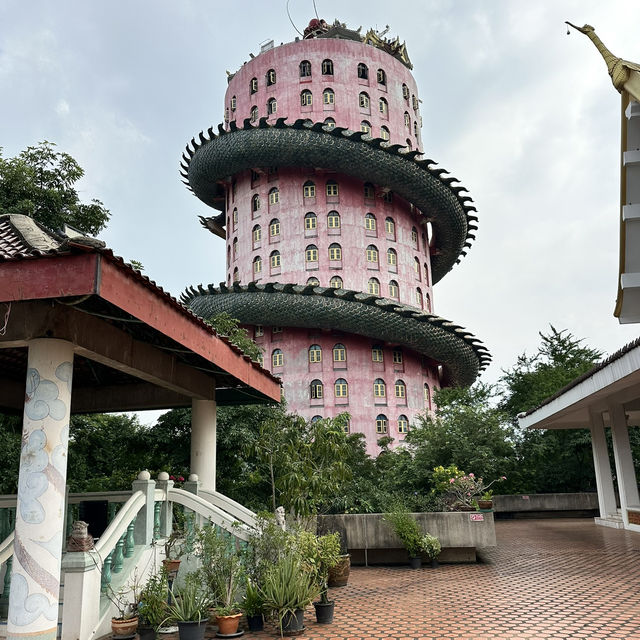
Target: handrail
x=118 y=526
x=9 y=500
x=237 y=510
x=210 y=511
x=6 y=548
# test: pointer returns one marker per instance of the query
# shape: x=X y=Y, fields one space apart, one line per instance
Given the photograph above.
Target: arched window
x=397 y=356
x=226 y=115
x=407 y=119
x=415 y=128
x=336 y=282
x=416 y=267
x=427 y=396
x=363 y=100
x=427 y=302
x=277 y=358
x=414 y=238
x=314 y=282
x=414 y=102
x=233 y=103
x=311 y=253
x=381 y=423
x=330 y=123
x=236 y=275
x=377 y=354
x=272 y=106
x=257 y=265
x=253 y=116
x=235 y=248
x=315 y=419
x=327 y=67
x=403 y=424
x=253 y=85
x=274 y=227
x=255 y=202
x=341 y=388
x=306 y=98
x=384 y=133
x=365 y=127
x=274 y=259
x=369 y=191
x=405 y=91
x=392 y=257
x=394 y=290
x=372 y=254
x=333 y=220
x=309 y=189
x=274 y=196
x=370 y=222
x=401 y=389
x=426 y=271
x=419 y=297
x=328 y=96
x=234 y=217
x=339 y=353
x=305 y=69
x=271 y=77
x=381 y=76
x=258 y=331
x=228 y=255
x=315 y=353
x=256 y=234
x=409 y=144
x=390 y=226
x=335 y=251
x=379 y=388
x=310 y=220
x=316 y=390
x=387 y=197
x=383 y=105
x=363 y=71
x=332 y=188
x=373 y=286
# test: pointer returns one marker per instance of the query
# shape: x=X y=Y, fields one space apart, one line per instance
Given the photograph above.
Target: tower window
x=258 y=331
x=333 y=220
x=381 y=76
x=405 y=91
x=339 y=353
x=363 y=71
x=309 y=189
x=363 y=100
x=418 y=298
x=253 y=85
x=384 y=133
x=257 y=265
x=233 y=103
x=383 y=106
x=313 y=282
x=377 y=354
x=387 y=197
x=274 y=196
x=330 y=123
x=390 y=226
x=327 y=67
x=379 y=388
x=335 y=251
x=341 y=388
x=392 y=257
x=311 y=253
x=407 y=119
x=277 y=358
x=336 y=282
x=253 y=114
x=272 y=106
x=373 y=286
x=332 y=188
x=306 y=98
x=416 y=267
x=234 y=218
x=369 y=192
x=403 y=424
x=310 y=221
x=381 y=423
x=414 y=238
x=271 y=77
x=315 y=353
x=256 y=234
x=274 y=259
x=365 y=127
x=372 y=254
x=328 y=96
x=370 y=222
x=427 y=396
x=400 y=389
x=397 y=356
x=255 y=202
x=394 y=290
x=305 y=69
x=414 y=102
x=316 y=390
x=274 y=227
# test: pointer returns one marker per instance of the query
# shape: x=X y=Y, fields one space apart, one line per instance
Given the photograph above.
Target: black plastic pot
x=192 y=630
x=146 y=633
x=416 y=562
x=324 y=612
x=255 y=623
x=434 y=563
x=293 y=623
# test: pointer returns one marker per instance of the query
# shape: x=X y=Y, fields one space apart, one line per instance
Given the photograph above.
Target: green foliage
x=266 y=546
x=406 y=528
x=153 y=600
x=10 y=433
x=190 y=603
x=430 y=546
x=252 y=604
x=40 y=183
x=319 y=554
x=225 y=325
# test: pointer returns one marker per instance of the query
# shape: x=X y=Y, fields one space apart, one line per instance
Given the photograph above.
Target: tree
x=39 y=183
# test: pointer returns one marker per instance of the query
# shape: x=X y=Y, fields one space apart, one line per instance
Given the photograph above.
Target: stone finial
x=80 y=538
x=144 y=475
x=193 y=477
x=163 y=476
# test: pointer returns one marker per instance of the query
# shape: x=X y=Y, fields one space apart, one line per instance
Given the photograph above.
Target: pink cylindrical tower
x=336 y=229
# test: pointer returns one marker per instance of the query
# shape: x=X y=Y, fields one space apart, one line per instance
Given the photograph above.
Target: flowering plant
x=464 y=490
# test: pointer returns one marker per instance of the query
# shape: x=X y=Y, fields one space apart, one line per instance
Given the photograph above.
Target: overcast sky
x=524 y=115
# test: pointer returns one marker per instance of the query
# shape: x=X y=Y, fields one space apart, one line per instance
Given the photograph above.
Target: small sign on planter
x=476 y=517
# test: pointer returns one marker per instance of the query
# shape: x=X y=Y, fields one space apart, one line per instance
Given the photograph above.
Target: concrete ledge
x=546 y=505
x=370 y=540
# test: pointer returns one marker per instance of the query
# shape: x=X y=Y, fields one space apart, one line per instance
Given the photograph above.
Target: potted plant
x=339 y=573
x=253 y=606
x=188 y=609
x=408 y=530
x=485 y=501
x=152 y=608
x=465 y=489
x=430 y=546
x=173 y=550
x=286 y=591
x=126 y=602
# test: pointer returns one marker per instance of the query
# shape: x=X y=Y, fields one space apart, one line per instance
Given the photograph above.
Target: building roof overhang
x=136 y=346
x=616 y=380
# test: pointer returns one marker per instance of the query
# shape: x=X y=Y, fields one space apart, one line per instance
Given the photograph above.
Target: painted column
x=203 y=442
x=625 y=472
x=39 y=530
x=604 y=481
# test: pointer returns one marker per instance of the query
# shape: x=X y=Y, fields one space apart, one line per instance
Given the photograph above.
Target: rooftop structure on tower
x=336 y=227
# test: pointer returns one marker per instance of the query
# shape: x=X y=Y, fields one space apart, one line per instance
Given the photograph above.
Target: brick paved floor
x=547 y=579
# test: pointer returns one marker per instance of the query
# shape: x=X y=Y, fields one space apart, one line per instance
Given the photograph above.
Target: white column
x=604 y=481
x=203 y=442
x=625 y=472
x=35 y=583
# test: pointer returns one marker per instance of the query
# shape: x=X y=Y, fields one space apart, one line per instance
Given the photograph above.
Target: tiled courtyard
x=546 y=579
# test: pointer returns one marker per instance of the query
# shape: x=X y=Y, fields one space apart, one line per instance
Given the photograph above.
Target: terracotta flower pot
x=123 y=627
x=228 y=624
x=172 y=566
x=339 y=575
x=485 y=504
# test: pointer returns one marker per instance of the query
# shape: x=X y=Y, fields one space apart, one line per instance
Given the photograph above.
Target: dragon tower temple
x=336 y=228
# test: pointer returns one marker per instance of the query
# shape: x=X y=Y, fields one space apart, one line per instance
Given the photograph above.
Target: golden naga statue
x=625 y=75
